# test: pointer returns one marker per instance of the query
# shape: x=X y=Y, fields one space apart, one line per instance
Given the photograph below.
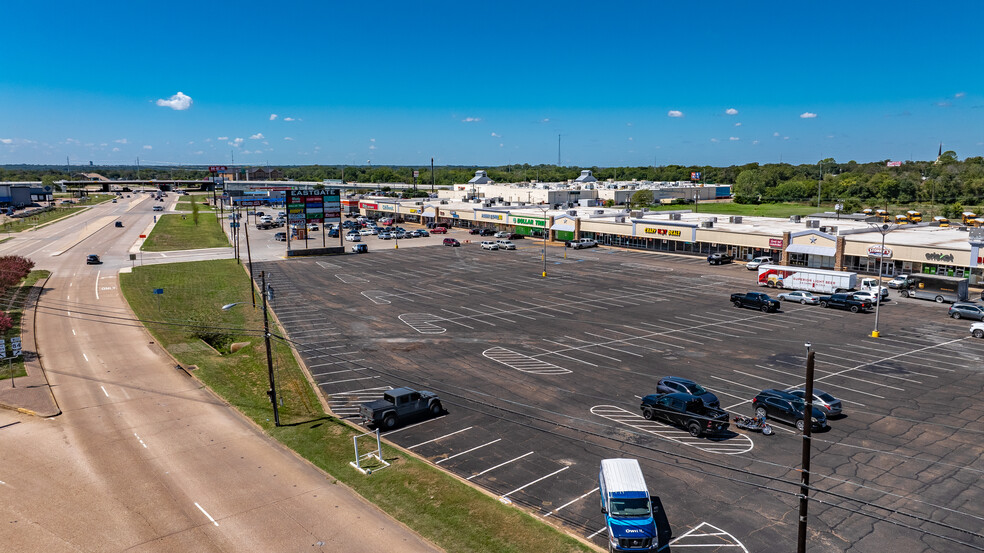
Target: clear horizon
x=632 y=84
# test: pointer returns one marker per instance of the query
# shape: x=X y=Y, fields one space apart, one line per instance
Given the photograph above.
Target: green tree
x=194 y=211
x=641 y=198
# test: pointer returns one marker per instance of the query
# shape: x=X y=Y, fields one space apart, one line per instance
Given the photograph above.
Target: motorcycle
x=757 y=424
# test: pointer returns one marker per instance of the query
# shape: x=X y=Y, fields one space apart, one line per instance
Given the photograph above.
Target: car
x=831 y=405
x=114 y=200
x=360 y=248
x=719 y=258
x=400 y=235
x=898 y=281
x=486 y=232
x=353 y=237
x=865 y=295
x=366 y=232
x=280 y=237
x=977 y=330
x=786 y=407
x=260 y=214
x=805 y=298
x=385 y=235
x=685 y=411
x=515 y=236
x=502 y=234
x=92 y=259
x=475 y=230
x=680 y=385
x=158 y=208
x=505 y=245
x=489 y=245
x=312 y=227
x=119 y=224
x=966 y=310
x=421 y=233
x=439 y=230
x=756 y=261
x=756 y=300
x=451 y=242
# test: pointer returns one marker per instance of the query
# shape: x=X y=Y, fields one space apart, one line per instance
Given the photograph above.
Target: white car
x=353 y=238
x=755 y=262
x=897 y=281
x=977 y=330
x=366 y=232
x=505 y=245
x=502 y=234
x=489 y=245
x=864 y=295
x=800 y=297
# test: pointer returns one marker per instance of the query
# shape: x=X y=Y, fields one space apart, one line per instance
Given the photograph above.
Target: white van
x=635 y=521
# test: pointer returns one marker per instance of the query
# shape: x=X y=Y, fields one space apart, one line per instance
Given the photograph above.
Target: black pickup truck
x=686 y=411
x=719 y=258
x=399 y=404
x=755 y=300
x=845 y=301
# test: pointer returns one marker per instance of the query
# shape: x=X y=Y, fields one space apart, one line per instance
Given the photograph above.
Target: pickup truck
x=582 y=243
x=263 y=225
x=719 y=258
x=399 y=404
x=845 y=301
x=686 y=411
x=756 y=300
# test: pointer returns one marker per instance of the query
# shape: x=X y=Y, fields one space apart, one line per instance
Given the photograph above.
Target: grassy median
x=12 y=303
x=189 y=322
x=184 y=232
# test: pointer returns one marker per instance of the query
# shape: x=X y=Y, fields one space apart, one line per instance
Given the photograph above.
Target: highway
x=143 y=458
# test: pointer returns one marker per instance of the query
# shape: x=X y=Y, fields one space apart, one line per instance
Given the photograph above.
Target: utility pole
x=432 y=174
x=805 y=472
x=272 y=392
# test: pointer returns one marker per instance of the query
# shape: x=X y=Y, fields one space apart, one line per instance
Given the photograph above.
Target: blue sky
x=622 y=83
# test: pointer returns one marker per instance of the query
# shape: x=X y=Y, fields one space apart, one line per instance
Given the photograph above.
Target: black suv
x=786 y=407
x=719 y=258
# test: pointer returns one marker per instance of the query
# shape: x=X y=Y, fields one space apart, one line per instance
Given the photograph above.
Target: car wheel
x=904 y=293
x=939 y=299
x=648 y=414
x=760 y=412
x=779 y=284
x=800 y=425
x=737 y=304
x=694 y=429
x=436 y=408
x=765 y=309
x=955 y=315
x=823 y=304
x=979 y=333
x=855 y=309
x=389 y=422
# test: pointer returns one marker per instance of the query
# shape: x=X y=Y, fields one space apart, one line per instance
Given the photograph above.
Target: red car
x=451 y=242
x=439 y=230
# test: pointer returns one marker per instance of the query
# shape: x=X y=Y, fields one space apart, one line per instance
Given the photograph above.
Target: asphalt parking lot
x=541 y=379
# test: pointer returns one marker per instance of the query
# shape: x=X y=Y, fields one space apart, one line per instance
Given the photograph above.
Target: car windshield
x=826 y=397
x=630 y=507
x=697 y=389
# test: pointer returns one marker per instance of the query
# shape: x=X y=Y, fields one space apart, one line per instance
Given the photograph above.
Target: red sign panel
x=216 y=168
x=364 y=205
x=775 y=243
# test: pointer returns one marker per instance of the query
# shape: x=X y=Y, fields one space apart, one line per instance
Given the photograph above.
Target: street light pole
x=884 y=230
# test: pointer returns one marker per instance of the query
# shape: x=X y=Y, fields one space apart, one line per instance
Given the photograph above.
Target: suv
x=719 y=258
x=92 y=259
x=786 y=407
x=676 y=384
x=756 y=261
x=451 y=242
x=489 y=245
x=966 y=310
x=505 y=245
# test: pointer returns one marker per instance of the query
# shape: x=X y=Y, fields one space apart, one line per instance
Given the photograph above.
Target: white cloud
x=715 y=140
x=500 y=144
x=237 y=142
x=120 y=141
x=545 y=120
x=496 y=135
x=731 y=111
x=628 y=124
x=775 y=133
x=72 y=141
x=273 y=116
x=737 y=124
x=959 y=94
x=6 y=140
x=179 y=102
x=755 y=142
x=288 y=138
x=785 y=138
x=471 y=119
x=631 y=139
x=674 y=113
x=116 y=149
x=190 y=142
x=257 y=136
x=148 y=147
x=372 y=140
x=373 y=147
x=199 y=152
x=223 y=138
x=808 y=115
x=289 y=119
x=266 y=143
x=732 y=138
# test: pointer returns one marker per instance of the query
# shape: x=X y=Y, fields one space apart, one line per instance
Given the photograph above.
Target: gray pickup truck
x=397 y=405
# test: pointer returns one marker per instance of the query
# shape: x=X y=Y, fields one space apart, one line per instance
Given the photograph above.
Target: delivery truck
x=934 y=287
x=822 y=281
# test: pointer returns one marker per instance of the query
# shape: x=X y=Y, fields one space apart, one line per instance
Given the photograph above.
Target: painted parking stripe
x=556 y=472
x=467 y=451
x=851 y=388
x=522 y=362
x=423 y=323
x=571 y=502
x=500 y=465
x=351 y=279
x=705 y=535
x=441 y=437
x=740 y=443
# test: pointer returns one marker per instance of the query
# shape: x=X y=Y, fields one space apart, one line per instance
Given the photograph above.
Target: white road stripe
x=206 y=514
x=441 y=437
x=499 y=465
x=571 y=502
x=467 y=451
x=503 y=496
x=104 y=391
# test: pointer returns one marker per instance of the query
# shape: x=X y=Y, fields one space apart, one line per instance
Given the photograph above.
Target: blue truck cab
x=635 y=521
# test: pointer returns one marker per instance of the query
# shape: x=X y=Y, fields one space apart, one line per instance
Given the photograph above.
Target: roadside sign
x=216 y=168
x=15 y=346
x=3 y=348
x=158 y=291
x=234 y=225
x=133 y=257
x=416 y=174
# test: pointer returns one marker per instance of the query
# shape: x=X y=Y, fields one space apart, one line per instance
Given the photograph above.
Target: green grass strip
x=179 y=232
x=14 y=301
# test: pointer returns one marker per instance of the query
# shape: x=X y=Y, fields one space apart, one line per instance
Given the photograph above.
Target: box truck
x=635 y=521
x=822 y=281
x=933 y=287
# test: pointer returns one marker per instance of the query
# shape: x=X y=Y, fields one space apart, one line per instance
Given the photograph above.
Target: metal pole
x=805 y=472
x=881 y=266
x=249 y=260
x=272 y=392
x=432 y=174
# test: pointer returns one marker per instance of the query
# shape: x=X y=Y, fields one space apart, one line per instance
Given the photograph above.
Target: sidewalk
x=30 y=394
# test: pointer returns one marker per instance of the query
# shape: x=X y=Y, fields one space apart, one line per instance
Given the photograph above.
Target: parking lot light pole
x=805 y=472
x=884 y=230
x=546 y=233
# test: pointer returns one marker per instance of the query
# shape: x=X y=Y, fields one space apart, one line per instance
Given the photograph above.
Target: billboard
x=313 y=206
x=695 y=175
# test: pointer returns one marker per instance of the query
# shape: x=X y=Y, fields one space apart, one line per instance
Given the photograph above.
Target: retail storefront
x=527 y=226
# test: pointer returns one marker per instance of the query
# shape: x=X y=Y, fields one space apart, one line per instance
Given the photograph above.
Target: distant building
x=93 y=177
x=481 y=177
x=264 y=173
x=586 y=176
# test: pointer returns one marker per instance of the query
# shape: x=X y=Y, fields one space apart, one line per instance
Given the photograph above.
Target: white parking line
x=503 y=496
x=104 y=391
x=440 y=437
x=206 y=514
x=571 y=502
x=605 y=529
x=467 y=451
x=852 y=388
x=893 y=357
x=412 y=426
x=499 y=465
x=347 y=380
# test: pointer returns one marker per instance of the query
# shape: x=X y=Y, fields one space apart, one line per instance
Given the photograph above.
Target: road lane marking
x=505 y=495
x=499 y=465
x=104 y=391
x=571 y=502
x=97 y=283
x=86 y=357
x=206 y=514
x=73 y=332
x=467 y=451
x=139 y=440
x=441 y=437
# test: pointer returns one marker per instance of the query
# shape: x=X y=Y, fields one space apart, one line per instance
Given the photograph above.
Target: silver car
x=805 y=298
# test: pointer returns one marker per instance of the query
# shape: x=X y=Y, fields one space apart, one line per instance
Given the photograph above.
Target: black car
x=92 y=259
x=676 y=384
x=486 y=232
x=719 y=258
x=786 y=407
x=967 y=310
x=474 y=230
x=119 y=224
